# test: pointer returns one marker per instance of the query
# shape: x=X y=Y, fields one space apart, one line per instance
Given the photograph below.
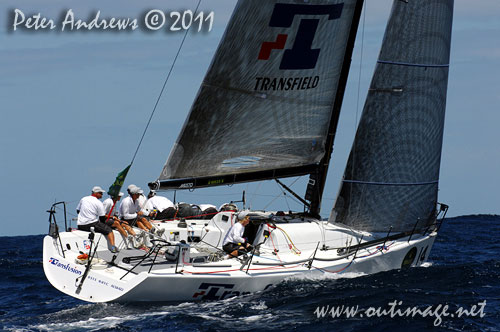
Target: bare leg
x=111 y=238
x=141 y=226
x=129 y=229
x=120 y=229
x=146 y=223
x=235 y=253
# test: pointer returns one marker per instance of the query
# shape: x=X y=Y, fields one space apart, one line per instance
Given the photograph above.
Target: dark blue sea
x=463 y=272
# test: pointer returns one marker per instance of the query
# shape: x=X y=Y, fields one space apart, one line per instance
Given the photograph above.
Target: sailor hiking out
x=133 y=239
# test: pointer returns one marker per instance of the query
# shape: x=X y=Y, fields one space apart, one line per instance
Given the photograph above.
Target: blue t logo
x=301 y=55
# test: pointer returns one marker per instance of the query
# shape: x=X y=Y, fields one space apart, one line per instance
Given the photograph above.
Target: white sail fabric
x=266 y=100
x=391 y=178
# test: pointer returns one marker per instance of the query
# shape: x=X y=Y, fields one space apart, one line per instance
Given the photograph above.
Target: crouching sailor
x=91 y=213
x=234 y=244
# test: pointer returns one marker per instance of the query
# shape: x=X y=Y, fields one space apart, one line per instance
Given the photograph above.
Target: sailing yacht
x=268 y=109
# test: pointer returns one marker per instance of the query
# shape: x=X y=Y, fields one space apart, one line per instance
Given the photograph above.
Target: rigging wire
x=286 y=200
x=252 y=195
x=279 y=195
x=164 y=85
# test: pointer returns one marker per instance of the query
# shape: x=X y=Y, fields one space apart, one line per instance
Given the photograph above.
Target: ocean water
x=463 y=271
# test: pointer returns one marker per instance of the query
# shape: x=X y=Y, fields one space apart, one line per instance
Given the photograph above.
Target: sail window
x=241 y=162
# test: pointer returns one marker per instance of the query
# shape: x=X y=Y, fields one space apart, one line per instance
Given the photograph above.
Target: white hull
x=227 y=277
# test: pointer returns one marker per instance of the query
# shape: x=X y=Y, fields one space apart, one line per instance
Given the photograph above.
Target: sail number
x=215 y=182
x=157 y=19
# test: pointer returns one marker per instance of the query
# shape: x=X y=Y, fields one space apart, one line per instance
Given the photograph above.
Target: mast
x=317 y=180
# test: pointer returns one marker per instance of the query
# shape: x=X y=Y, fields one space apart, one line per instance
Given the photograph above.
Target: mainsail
x=391 y=178
x=265 y=105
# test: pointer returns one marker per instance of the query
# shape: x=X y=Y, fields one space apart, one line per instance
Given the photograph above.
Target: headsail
x=264 y=107
x=391 y=178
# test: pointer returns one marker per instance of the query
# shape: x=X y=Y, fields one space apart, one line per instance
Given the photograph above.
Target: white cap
x=120 y=194
x=134 y=190
x=98 y=189
x=242 y=214
x=141 y=191
x=130 y=188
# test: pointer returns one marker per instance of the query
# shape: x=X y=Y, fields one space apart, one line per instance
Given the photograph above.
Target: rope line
x=163 y=88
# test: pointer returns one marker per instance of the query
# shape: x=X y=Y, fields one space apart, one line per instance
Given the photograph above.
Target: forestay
x=265 y=103
x=391 y=178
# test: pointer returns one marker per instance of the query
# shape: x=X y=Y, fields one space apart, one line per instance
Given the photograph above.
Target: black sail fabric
x=391 y=178
x=266 y=100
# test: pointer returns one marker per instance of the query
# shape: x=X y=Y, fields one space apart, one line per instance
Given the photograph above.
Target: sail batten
x=392 y=174
x=265 y=102
x=412 y=64
x=392 y=183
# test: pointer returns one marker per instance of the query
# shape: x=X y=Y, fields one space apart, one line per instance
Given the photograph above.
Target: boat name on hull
x=67 y=267
x=218 y=291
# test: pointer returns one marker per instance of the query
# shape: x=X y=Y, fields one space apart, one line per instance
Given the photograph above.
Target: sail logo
x=67 y=267
x=301 y=55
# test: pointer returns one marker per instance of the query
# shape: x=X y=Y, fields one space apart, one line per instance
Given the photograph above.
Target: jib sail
x=391 y=178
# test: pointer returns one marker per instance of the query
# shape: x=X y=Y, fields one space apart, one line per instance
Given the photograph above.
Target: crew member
x=91 y=213
x=120 y=225
x=156 y=205
x=234 y=244
x=130 y=210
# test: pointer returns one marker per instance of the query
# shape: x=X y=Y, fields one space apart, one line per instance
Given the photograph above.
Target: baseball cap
x=134 y=190
x=98 y=189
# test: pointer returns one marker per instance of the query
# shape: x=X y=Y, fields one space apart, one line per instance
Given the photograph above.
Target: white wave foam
x=94 y=324
x=207 y=317
x=259 y=306
x=257 y=318
x=91 y=324
x=327 y=276
x=426 y=264
x=16 y=329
